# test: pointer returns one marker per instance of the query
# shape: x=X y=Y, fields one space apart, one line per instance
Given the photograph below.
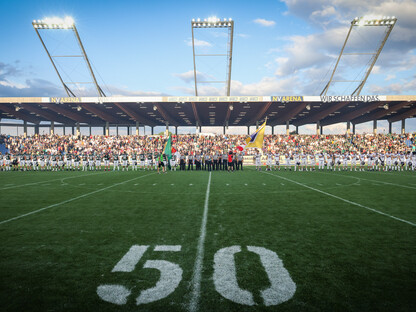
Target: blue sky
x=142 y=47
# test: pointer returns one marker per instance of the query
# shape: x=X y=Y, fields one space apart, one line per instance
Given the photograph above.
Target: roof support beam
x=66 y=112
x=166 y=116
x=18 y=114
x=407 y=114
x=47 y=115
x=260 y=114
x=92 y=108
x=290 y=113
x=312 y=118
x=136 y=116
x=353 y=114
x=196 y=114
x=380 y=113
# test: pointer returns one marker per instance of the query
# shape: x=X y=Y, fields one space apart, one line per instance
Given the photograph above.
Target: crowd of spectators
x=285 y=144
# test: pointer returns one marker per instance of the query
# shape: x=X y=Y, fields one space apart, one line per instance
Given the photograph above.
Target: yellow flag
x=256 y=139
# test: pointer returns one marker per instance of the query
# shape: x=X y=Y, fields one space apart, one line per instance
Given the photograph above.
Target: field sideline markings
x=196 y=276
x=343 y=199
x=34 y=183
x=71 y=199
x=351 y=176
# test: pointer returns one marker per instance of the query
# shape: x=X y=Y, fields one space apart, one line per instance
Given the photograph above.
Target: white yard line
x=41 y=182
x=71 y=199
x=343 y=199
x=196 y=276
x=377 y=181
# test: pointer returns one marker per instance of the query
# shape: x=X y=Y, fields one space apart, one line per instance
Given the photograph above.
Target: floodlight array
x=211 y=22
x=54 y=23
x=374 y=21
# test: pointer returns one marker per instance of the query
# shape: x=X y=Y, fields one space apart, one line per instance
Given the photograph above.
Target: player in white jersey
x=116 y=162
x=362 y=162
x=337 y=162
x=277 y=161
x=414 y=161
x=172 y=163
x=396 y=160
x=345 y=161
x=402 y=161
x=388 y=161
x=287 y=159
x=354 y=159
x=321 y=161
x=125 y=160
x=269 y=161
x=91 y=162
x=133 y=161
x=257 y=160
x=296 y=157
x=98 y=162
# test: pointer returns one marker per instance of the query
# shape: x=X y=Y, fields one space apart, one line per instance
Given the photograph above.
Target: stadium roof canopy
x=208 y=110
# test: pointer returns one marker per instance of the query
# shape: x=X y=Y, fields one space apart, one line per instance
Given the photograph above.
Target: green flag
x=168 y=150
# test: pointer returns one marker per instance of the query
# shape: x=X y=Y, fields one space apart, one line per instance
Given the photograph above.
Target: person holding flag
x=161 y=162
x=167 y=151
x=255 y=140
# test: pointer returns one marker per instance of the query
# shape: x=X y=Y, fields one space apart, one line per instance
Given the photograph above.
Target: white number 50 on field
x=281 y=289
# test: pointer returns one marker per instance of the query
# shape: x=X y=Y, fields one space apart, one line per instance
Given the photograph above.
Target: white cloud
x=264 y=22
x=189 y=76
x=198 y=43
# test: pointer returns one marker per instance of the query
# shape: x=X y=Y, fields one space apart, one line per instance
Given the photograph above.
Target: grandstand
x=222 y=111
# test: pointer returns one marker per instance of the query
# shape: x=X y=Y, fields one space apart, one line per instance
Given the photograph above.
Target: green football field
x=200 y=241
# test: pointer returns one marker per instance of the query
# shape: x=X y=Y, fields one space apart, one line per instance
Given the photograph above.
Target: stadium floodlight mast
x=214 y=22
x=66 y=23
x=384 y=21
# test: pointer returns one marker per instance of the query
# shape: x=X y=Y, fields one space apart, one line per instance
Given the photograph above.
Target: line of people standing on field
x=210 y=161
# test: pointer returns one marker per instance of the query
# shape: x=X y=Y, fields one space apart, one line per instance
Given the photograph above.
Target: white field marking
x=81 y=184
x=170 y=277
x=37 y=183
x=190 y=184
x=168 y=248
x=282 y=183
x=245 y=184
x=264 y=183
x=196 y=276
x=227 y=184
x=225 y=277
x=320 y=184
x=282 y=287
x=172 y=184
x=130 y=259
x=345 y=200
x=136 y=184
x=338 y=184
x=71 y=199
x=389 y=183
x=154 y=184
x=116 y=294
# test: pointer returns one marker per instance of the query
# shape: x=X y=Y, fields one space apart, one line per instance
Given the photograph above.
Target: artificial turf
x=347 y=239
